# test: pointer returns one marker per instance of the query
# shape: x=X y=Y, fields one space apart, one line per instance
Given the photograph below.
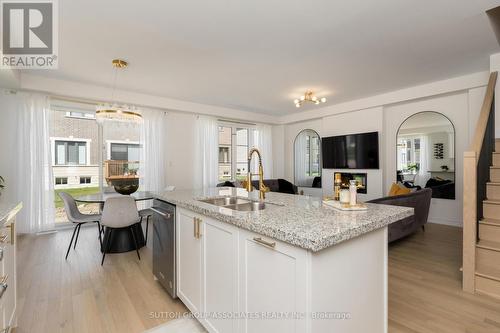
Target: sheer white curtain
x=423 y=174
x=153 y=166
x=206 y=152
x=34 y=179
x=263 y=140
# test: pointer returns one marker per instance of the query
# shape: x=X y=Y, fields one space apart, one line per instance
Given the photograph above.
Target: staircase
x=481 y=239
x=487 y=273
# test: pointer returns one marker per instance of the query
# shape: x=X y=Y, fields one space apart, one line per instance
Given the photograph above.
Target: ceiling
x=259 y=55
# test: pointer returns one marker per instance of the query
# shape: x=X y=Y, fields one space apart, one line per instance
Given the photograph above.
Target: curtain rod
x=236 y=122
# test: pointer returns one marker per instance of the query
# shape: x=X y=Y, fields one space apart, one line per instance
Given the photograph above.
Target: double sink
x=235 y=203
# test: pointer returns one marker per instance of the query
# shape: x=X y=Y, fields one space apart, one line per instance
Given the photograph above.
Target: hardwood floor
x=425 y=292
x=79 y=295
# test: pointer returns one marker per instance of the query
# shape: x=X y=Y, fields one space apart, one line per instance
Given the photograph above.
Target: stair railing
x=477 y=162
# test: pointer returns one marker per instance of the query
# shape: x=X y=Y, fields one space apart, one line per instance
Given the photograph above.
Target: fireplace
x=361 y=179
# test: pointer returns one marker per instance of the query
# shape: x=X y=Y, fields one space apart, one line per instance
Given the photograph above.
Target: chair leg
x=108 y=245
x=147 y=229
x=135 y=241
x=71 y=242
x=423 y=228
x=99 y=231
x=77 y=234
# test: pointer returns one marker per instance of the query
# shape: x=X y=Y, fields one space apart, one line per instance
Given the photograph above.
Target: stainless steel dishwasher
x=164 y=263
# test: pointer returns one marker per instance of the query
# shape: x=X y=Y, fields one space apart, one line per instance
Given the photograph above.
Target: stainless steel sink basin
x=235 y=203
x=247 y=207
x=225 y=201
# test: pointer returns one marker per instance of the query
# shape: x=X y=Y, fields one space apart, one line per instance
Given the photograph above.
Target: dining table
x=121 y=239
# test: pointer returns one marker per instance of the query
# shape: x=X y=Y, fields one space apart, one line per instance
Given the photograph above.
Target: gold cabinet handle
x=264 y=242
x=195 y=226
x=3 y=285
x=199 y=228
x=12 y=232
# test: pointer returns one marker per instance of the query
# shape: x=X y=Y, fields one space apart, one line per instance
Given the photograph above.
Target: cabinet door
x=189 y=261
x=273 y=283
x=220 y=252
x=8 y=298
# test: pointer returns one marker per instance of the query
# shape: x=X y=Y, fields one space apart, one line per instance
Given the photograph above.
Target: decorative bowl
x=126 y=187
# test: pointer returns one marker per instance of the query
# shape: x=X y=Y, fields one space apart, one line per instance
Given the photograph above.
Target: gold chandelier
x=115 y=111
x=308 y=97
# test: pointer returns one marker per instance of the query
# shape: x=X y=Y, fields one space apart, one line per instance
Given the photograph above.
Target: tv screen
x=355 y=151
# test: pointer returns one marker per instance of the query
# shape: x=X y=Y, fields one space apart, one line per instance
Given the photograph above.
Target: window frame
x=63 y=182
x=55 y=140
x=109 y=143
x=251 y=128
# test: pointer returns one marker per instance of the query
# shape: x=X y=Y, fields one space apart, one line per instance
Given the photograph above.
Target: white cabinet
x=189 y=260
x=207 y=269
x=273 y=280
x=220 y=244
x=8 y=318
x=225 y=273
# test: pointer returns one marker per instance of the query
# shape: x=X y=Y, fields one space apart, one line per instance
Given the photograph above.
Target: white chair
x=74 y=216
x=120 y=212
x=147 y=212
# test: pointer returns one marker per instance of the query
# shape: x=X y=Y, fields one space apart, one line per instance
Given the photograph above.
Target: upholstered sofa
x=420 y=201
x=275 y=185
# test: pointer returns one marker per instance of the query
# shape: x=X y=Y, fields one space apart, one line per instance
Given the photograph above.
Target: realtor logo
x=29 y=34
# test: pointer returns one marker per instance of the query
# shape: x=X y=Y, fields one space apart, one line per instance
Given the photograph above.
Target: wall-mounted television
x=354 y=151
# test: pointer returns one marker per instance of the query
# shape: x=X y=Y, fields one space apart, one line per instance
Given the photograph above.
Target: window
x=241 y=153
x=85 y=180
x=234 y=142
x=80 y=115
x=70 y=153
x=409 y=154
x=125 y=152
x=225 y=144
x=61 y=181
x=312 y=155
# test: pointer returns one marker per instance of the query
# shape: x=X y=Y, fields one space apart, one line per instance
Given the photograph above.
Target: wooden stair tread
x=490 y=221
x=485 y=273
x=493 y=183
x=489 y=245
x=492 y=202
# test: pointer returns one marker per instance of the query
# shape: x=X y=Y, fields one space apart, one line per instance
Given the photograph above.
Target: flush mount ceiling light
x=308 y=97
x=115 y=111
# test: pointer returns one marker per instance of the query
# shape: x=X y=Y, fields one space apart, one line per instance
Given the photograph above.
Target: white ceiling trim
x=92 y=92
x=460 y=83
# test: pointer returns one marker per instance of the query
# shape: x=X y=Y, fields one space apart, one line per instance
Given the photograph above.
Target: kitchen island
x=294 y=266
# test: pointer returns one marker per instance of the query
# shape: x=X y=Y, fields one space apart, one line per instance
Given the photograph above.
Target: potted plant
x=413 y=167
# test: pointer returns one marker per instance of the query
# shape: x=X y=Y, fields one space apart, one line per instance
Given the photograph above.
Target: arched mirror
x=426 y=154
x=307 y=148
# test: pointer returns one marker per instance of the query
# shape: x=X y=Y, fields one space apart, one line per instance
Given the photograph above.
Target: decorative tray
x=346 y=207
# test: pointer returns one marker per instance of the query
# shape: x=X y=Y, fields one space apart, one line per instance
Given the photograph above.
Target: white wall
x=461 y=106
x=456 y=108
x=369 y=120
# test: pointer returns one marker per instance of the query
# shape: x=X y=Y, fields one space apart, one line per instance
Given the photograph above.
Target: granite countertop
x=9 y=209
x=298 y=220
